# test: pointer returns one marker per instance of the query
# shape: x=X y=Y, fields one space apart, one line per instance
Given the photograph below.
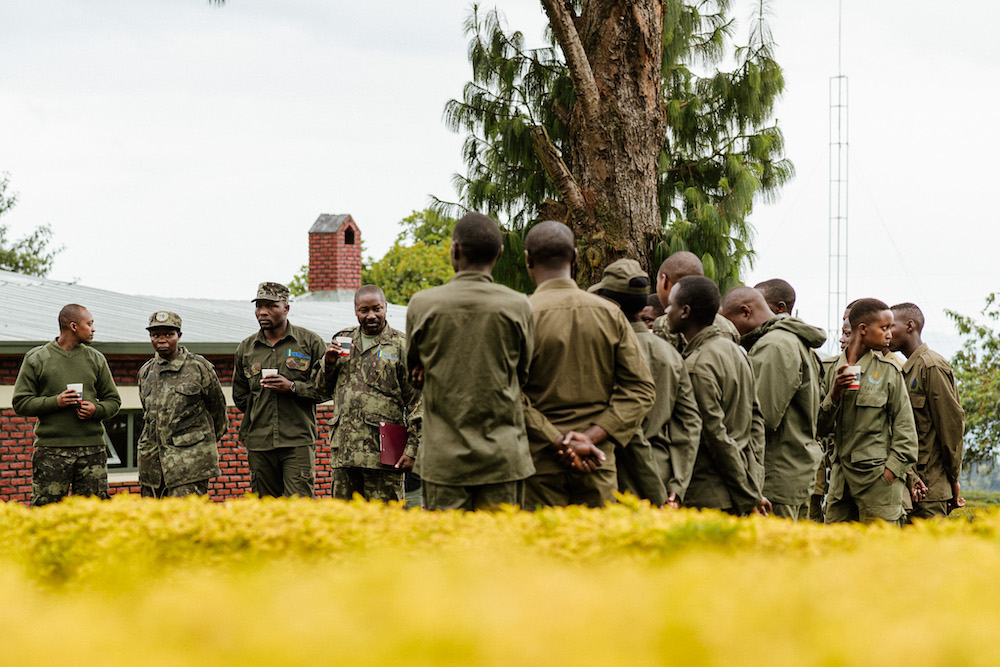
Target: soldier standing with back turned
x=185 y=415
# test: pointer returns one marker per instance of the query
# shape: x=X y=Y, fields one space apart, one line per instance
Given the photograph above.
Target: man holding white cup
x=68 y=386
x=365 y=371
x=274 y=386
x=867 y=410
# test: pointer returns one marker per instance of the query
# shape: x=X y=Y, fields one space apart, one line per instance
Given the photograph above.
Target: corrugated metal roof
x=31 y=306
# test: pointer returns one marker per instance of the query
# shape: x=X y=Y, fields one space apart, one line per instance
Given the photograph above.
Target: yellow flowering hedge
x=289 y=582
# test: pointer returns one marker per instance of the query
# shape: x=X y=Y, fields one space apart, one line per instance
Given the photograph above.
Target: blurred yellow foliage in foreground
x=289 y=582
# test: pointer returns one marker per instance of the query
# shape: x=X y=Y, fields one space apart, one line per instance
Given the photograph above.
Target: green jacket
x=788 y=373
x=474 y=340
x=271 y=419
x=369 y=387
x=728 y=471
x=45 y=372
x=872 y=426
x=587 y=369
x=184 y=418
x=673 y=426
x=939 y=420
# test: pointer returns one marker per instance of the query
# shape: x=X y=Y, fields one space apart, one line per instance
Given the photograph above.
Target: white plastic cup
x=268 y=372
x=345 y=343
x=856 y=370
x=78 y=388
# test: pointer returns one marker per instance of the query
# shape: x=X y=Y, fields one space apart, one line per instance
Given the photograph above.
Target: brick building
x=212 y=328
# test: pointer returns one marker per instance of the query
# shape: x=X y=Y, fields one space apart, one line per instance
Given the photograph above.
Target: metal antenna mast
x=837 y=260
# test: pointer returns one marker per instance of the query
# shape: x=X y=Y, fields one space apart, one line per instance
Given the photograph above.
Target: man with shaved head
x=681 y=265
x=589 y=387
x=937 y=411
x=67 y=385
x=728 y=473
x=781 y=352
x=780 y=295
x=468 y=344
x=370 y=385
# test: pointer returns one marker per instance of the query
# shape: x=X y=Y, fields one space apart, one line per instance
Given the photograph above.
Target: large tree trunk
x=607 y=174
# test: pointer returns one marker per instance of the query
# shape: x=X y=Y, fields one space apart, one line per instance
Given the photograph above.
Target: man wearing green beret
x=185 y=415
x=274 y=385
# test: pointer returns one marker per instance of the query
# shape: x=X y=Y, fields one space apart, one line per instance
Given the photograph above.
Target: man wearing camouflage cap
x=185 y=415
x=658 y=461
x=274 y=386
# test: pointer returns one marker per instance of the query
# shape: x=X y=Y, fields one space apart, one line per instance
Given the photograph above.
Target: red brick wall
x=16 y=440
x=334 y=265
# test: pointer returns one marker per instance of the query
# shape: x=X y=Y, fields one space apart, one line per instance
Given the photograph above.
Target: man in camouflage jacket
x=185 y=415
x=370 y=386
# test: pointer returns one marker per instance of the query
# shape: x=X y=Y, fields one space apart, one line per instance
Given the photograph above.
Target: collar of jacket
x=702 y=337
x=290 y=332
x=557 y=283
x=176 y=363
x=476 y=276
x=383 y=336
x=640 y=327
x=912 y=359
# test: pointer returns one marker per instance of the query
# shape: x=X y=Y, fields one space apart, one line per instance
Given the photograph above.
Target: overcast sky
x=181 y=149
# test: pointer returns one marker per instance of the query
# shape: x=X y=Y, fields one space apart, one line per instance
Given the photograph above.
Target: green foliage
x=720 y=149
x=510 y=269
x=420 y=257
x=299 y=284
x=977 y=372
x=31 y=255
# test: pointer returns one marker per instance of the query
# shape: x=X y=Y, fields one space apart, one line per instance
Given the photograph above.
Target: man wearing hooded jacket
x=788 y=371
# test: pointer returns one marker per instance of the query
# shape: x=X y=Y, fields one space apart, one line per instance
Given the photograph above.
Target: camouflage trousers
x=384 y=485
x=56 y=470
x=199 y=488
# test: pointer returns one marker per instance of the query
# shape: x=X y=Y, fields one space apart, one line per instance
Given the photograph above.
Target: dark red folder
x=391 y=442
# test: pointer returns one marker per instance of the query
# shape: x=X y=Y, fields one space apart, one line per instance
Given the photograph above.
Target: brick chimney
x=334 y=257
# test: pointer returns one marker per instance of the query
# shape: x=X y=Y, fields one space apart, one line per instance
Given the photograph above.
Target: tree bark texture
x=607 y=173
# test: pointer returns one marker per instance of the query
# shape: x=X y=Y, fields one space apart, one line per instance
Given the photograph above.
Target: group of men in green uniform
x=664 y=388
x=563 y=398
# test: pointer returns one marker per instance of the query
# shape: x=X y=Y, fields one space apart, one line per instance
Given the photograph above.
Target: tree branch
x=559 y=173
x=564 y=29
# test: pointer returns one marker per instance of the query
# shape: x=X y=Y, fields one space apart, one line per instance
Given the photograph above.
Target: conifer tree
x=624 y=127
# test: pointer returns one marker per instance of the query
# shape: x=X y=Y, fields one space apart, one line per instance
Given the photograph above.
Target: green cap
x=164 y=318
x=271 y=292
x=625 y=276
